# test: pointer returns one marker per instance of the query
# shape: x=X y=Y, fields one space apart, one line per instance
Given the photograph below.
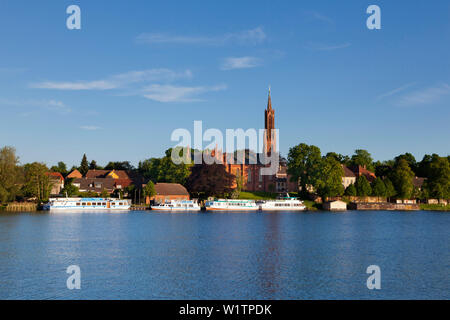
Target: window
x=98 y=185
x=260 y=175
x=78 y=203
x=88 y=203
x=120 y=203
x=104 y=203
x=84 y=203
x=249 y=177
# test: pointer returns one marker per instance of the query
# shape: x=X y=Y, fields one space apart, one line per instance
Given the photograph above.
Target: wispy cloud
x=320 y=17
x=424 y=96
x=395 y=91
x=90 y=128
x=240 y=63
x=51 y=105
x=246 y=37
x=169 y=93
x=327 y=47
x=116 y=81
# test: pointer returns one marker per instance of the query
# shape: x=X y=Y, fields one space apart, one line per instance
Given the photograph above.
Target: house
x=362 y=171
x=56 y=182
x=418 y=182
x=122 y=178
x=97 y=185
x=335 y=205
x=74 y=175
x=169 y=191
x=348 y=178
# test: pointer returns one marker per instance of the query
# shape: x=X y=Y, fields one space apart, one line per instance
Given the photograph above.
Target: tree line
x=323 y=174
x=315 y=173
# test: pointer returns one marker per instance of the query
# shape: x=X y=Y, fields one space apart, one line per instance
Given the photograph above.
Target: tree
x=390 y=190
x=351 y=190
x=93 y=165
x=105 y=194
x=410 y=159
x=362 y=158
x=378 y=188
x=207 y=180
x=362 y=185
x=69 y=189
x=304 y=163
x=61 y=168
x=9 y=174
x=149 y=190
x=37 y=183
x=164 y=169
x=119 y=165
x=339 y=157
x=438 y=182
x=84 y=166
x=329 y=181
x=402 y=179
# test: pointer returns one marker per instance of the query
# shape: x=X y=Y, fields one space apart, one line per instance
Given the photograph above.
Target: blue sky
x=137 y=70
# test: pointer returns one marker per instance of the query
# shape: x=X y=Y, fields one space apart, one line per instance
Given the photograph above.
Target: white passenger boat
x=87 y=204
x=287 y=204
x=177 y=205
x=231 y=205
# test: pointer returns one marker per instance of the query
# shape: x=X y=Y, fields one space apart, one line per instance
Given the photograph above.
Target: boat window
x=78 y=203
x=88 y=203
x=104 y=203
x=120 y=203
x=84 y=203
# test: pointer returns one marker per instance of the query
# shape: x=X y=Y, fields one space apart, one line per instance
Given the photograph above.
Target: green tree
x=329 y=180
x=402 y=179
x=93 y=165
x=304 y=163
x=105 y=194
x=351 y=190
x=10 y=174
x=119 y=165
x=149 y=190
x=378 y=188
x=37 y=183
x=438 y=182
x=69 y=189
x=390 y=190
x=412 y=163
x=61 y=168
x=164 y=169
x=84 y=166
x=339 y=157
x=362 y=185
x=363 y=158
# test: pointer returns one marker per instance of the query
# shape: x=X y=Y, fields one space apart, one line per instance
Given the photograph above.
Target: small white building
x=335 y=205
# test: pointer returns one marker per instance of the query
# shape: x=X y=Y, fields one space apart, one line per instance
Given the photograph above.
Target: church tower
x=269 y=125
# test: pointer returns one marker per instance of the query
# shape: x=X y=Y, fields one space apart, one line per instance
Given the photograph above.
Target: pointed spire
x=269 y=102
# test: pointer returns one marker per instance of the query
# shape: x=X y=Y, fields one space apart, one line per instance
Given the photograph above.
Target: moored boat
x=87 y=204
x=291 y=204
x=231 y=205
x=177 y=205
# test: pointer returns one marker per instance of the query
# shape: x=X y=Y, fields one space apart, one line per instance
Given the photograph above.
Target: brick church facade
x=249 y=172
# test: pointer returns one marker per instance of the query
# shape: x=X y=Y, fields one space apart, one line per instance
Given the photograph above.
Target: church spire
x=269 y=102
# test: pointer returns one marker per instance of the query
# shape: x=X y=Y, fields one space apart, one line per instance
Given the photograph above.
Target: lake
x=148 y=255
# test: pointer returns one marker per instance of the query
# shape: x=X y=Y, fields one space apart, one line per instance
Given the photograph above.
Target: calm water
x=145 y=255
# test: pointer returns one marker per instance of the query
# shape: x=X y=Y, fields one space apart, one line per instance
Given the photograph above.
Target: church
x=248 y=173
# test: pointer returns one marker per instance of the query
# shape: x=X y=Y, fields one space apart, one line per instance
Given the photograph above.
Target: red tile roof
x=56 y=175
x=173 y=189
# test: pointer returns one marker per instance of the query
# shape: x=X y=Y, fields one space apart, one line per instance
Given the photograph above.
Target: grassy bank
x=435 y=207
x=257 y=195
